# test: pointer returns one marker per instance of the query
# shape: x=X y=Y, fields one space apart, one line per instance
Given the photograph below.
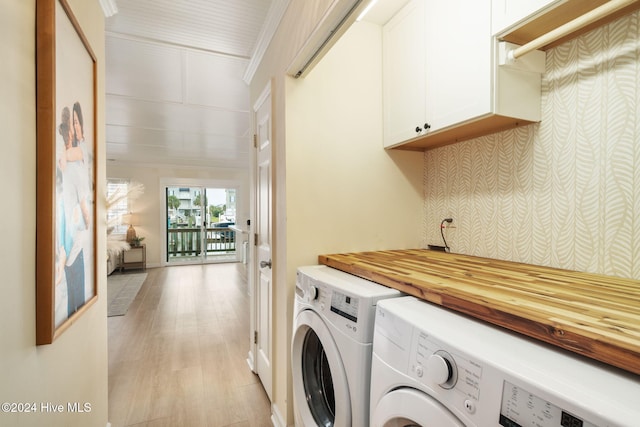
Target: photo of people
x=73 y=213
x=74 y=174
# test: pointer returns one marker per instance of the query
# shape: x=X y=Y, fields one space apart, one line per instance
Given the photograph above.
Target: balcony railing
x=189 y=242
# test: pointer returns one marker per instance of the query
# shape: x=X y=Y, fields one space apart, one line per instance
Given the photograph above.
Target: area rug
x=121 y=290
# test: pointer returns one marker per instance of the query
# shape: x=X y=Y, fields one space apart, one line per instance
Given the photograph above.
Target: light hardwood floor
x=178 y=357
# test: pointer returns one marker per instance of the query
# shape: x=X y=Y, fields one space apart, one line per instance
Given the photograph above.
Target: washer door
x=321 y=394
x=406 y=407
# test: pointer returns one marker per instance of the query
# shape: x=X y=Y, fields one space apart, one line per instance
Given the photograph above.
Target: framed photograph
x=66 y=283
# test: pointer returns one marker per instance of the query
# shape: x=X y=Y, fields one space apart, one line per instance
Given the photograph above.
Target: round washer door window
x=317 y=380
x=406 y=407
x=321 y=395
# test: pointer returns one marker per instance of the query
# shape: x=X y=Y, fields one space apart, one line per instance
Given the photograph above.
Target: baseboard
x=250 y=362
x=276 y=417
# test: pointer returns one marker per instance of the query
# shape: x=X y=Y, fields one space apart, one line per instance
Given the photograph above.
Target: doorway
x=200 y=224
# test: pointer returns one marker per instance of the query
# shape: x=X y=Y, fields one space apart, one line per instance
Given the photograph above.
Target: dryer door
x=405 y=407
x=320 y=390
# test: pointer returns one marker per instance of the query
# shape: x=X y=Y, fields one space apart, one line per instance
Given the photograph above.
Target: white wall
x=74 y=367
x=149 y=208
x=563 y=193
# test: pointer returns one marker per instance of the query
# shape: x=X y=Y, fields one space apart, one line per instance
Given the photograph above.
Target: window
x=117 y=190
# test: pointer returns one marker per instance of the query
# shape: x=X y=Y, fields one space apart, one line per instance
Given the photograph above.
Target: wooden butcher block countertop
x=593 y=315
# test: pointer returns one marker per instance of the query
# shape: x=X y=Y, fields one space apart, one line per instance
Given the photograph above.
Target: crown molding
x=274 y=16
x=109 y=7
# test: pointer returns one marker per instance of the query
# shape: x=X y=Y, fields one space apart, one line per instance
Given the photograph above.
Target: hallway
x=178 y=357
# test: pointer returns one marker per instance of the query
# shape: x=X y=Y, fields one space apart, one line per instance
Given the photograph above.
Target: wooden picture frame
x=66 y=72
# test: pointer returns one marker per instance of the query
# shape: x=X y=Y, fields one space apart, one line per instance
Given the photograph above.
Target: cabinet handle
x=426 y=127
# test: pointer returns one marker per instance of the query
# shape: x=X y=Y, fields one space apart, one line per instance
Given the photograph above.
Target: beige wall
x=74 y=367
x=150 y=209
x=562 y=193
x=297 y=23
x=344 y=192
x=334 y=184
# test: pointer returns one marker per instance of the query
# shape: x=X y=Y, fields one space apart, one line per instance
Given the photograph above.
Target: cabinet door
x=403 y=70
x=506 y=13
x=459 y=61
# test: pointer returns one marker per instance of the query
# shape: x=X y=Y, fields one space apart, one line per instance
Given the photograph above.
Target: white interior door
x=263 y=229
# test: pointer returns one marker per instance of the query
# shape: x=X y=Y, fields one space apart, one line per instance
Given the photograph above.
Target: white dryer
x=435 y=368
x=331 y=346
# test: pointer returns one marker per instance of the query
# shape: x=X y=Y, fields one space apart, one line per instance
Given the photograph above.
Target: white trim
x=109 y=7
x=261 y=99
x=275 y=14
x=251 y=361
x=175 y=45
x=276 y=417
x=182 y=164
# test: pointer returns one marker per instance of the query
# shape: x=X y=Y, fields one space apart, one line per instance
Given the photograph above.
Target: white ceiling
x=174 y=81
x=176 y=73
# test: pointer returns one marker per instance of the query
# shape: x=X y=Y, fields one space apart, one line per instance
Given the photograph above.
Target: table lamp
x=131 y=232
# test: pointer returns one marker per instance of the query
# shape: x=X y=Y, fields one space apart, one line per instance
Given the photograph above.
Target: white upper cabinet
x=507 y=13
x=441 y=78
x=458 y=64
x=404 y=73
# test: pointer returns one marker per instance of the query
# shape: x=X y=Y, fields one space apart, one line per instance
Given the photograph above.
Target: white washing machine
x=435 y=368
x=331 y=346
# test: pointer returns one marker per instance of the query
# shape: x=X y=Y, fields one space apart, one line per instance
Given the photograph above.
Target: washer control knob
x=313 y=293
x=419 y=371
x=439 y=370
